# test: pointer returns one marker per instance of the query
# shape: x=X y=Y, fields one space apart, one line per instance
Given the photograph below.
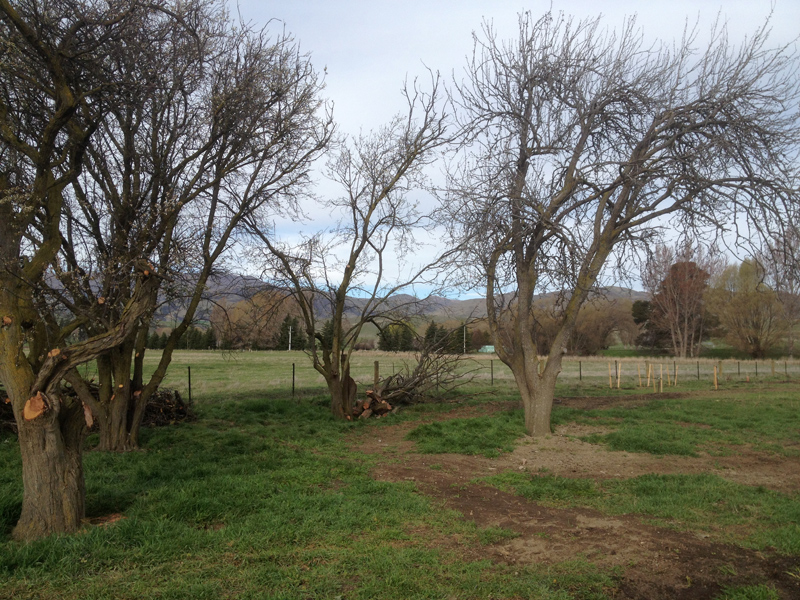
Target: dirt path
x=656 y=563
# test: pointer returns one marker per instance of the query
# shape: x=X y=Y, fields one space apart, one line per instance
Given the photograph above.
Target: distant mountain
x=475 y=308
x=229 y=288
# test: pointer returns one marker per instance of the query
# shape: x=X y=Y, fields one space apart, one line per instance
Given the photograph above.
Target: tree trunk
x=52 y=473
x=343 y=395
x=538 y=392
x=115 y=406
x=113 y=423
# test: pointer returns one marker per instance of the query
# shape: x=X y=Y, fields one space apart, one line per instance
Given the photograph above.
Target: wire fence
x=292 y=372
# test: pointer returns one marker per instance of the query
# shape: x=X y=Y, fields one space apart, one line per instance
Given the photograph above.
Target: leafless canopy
x=134 y=137
x=354 y=272
x=580 y=142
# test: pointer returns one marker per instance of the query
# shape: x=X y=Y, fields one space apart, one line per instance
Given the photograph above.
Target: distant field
x=238 y=371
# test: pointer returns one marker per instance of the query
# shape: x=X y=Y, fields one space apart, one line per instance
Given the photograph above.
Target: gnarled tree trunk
x=52 y=471
x=343 y=391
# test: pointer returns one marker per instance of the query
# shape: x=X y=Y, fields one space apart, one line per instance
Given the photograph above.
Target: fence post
x=698 y=370
x=189 y=369
x=377 y=373
x=292 y=380
x=580 y=371
x=491 y=368
x=773 y=367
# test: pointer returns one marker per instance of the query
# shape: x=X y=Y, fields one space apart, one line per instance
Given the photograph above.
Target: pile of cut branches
x=435 y=373
x=165 y=407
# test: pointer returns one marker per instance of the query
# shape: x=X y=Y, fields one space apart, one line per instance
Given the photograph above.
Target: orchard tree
x=56 y=90
x=217 y=121
x=342 y=273
x=87 y=104
x=580 y=142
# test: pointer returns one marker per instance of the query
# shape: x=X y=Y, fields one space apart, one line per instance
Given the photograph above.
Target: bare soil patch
x=656 y=563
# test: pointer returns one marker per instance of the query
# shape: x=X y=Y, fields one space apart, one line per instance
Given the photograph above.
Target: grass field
x=271 y=373
x=266 y=496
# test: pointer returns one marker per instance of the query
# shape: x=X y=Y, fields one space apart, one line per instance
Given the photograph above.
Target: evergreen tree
x=455 y=343
x=405 y=340
x=209 y=339
x=396 y=337
x=298 y=336
x=431 y=335
x=386 y=340
x=153 y=341
x=193 y=339
x=327 y=335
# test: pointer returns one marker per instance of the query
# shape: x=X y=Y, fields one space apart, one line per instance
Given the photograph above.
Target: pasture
x=688 y=491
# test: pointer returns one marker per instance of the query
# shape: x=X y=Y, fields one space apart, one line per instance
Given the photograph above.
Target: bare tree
x=53 y=95
x=172 y=165
x=678 y=280
x=580 y=142
x=781 y=263
x=340 y=276
x=218 y=121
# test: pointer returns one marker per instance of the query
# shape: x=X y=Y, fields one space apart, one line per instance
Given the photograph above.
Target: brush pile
x=166 y=407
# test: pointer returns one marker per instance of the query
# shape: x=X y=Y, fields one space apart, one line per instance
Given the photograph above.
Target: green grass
x=767 y=421
x=749 y=592
x=263 y=496
x=489 y=436
x=690 y=502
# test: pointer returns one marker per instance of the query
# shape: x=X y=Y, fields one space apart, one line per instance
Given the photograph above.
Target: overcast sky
x=367 y=48
x=370 y=46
